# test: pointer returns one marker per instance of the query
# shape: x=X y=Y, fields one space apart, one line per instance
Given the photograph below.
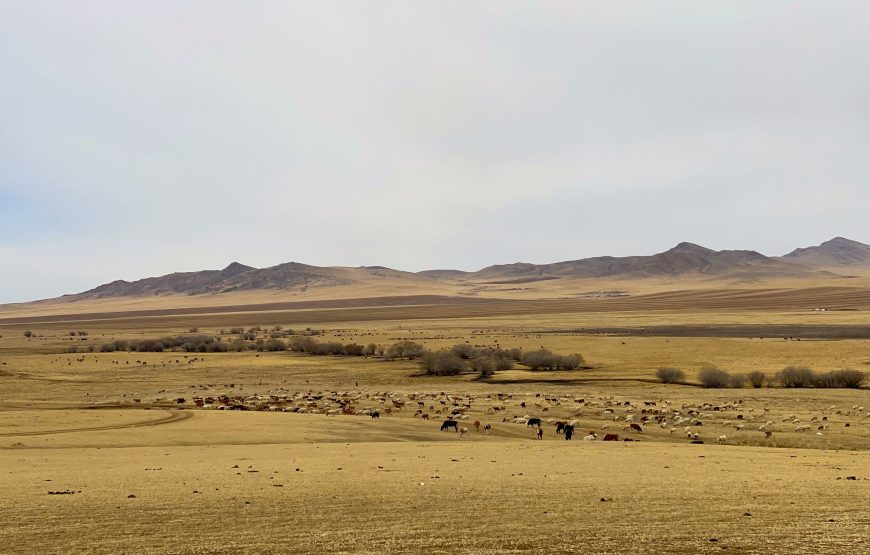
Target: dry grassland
x=102 y=427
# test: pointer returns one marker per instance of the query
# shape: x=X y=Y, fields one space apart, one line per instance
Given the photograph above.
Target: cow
x=450 y=424
x=487 y=427
x=477 y=425
x=376 y=414
x=560 y=427
x=611 y=437
x=540 y=433
x=635 y=427
x=569 y=432
x=533 y=422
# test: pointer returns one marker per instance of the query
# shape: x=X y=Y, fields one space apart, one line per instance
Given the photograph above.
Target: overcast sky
x=141 y=138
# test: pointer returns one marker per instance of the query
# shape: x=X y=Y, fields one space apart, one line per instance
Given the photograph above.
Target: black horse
x=450 y=424
x=533 y=422
x=569 y=431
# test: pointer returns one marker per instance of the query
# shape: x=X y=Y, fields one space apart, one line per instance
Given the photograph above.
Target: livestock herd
x=604 y=417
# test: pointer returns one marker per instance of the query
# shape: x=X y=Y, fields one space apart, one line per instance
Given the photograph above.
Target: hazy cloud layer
x=140 y=138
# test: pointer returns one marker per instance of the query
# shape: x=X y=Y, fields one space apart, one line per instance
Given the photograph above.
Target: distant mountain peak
x=838 y=251
x=686 y=247
x=235 y=268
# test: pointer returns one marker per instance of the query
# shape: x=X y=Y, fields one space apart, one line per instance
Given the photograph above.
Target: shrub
x=756 y=379
x=840 y=378
x=795 y=376
x=193 y=330
x=547 y=360
x=370 y=350
x=404 y=349
x=569 y=362
x=540 y=359
x=28 y=333
x=671 y=375
x=442 y=363
x=850 y=378
x=303 y=344
x=737 y=381
x=353 y=350
x=465 y=351
x=485 y=366
x=710 y=376
x=274 y=345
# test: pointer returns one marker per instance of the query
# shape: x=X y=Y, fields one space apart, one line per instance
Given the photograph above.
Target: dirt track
x=174 y=416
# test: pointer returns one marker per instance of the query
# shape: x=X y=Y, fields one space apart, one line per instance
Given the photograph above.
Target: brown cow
x=611 y=437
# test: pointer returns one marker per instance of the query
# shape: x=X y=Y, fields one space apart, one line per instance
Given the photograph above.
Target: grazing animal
x=533 y=422
x=722 y=439
x=569 y=432
x=477 y=425
x=487 y=427
x=376 y=414
x=540 y=433
x=463 y=430
x=560 y=427
x=635 y=428
x=450 y=424
x=610 y=437
x=590 y=437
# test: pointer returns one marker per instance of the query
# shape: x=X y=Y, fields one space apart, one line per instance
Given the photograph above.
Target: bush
x=353 y=350
x=485 y=366
x=274 y=345
x=840 y=378
x=404 y=349
x=465 y=351
x=547 y=360
x=795 y=376
x=370 y=350
x=737 y=381
x=442 y=363
x=711 y=376
x=756 y=379
x=28 y=333
x=671 y=375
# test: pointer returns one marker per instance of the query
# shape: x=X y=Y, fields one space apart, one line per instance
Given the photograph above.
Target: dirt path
x=175 y=416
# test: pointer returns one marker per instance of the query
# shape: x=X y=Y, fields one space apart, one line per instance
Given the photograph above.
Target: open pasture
x=775 y=470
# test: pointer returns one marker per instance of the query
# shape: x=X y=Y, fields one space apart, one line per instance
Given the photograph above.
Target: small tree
x=710 y=376
x=671 y=375
x=485 y=366
x=756 y=379
x=737 y=381
x=441 y=363
x=28 y=334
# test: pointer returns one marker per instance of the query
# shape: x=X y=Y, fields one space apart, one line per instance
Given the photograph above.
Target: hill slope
x=836 y=252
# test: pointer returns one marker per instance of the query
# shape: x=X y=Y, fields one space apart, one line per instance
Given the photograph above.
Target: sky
x=140 y=138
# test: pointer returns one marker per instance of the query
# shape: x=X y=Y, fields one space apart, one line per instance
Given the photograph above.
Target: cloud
x=144 y=138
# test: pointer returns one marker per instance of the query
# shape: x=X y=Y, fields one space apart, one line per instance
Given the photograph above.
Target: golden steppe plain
x=139 y=472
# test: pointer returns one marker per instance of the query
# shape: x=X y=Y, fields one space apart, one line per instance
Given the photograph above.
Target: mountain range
x=832 y=259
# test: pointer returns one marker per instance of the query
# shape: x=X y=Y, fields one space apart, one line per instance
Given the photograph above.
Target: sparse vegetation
x=795 y=376
x=670 y=375
x=713 y=377
x=544 y=359
x=756 y=379
x=442 y=363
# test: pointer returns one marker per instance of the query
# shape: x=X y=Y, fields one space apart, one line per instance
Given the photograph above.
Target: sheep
x=722 y=439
